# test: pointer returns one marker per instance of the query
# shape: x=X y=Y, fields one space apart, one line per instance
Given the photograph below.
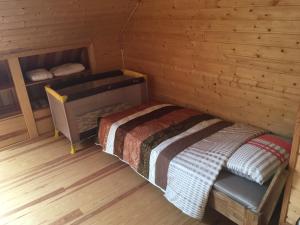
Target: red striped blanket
x=179 y=150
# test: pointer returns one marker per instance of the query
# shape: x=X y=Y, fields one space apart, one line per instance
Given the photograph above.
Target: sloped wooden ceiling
x=239 y=59
x=33 y=24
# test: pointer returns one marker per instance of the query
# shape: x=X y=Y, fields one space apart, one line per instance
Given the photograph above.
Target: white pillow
x=67 y=69
x=38 y=74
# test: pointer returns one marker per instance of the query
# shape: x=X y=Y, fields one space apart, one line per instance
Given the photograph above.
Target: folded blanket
x=192 y=173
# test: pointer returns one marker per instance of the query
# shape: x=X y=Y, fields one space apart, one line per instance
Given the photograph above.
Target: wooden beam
x=22 y=95
x=292 y=165
x=92 y=58
x=40 y=51
x=272 y=195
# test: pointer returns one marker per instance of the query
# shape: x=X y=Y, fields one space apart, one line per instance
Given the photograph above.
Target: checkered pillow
x=259 y=158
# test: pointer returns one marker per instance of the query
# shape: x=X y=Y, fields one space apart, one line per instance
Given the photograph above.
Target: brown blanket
x=135 y=139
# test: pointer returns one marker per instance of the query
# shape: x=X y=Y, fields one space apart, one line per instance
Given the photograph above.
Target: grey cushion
x=246 y=192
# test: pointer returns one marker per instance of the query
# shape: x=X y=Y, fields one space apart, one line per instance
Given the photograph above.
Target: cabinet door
x=9 y=105
x=12 y=123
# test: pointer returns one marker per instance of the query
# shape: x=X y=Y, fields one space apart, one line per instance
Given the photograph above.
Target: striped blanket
x=180 y=150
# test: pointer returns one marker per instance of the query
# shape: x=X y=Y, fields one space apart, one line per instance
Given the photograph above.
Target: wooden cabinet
x=24 y=109
x=35 y=90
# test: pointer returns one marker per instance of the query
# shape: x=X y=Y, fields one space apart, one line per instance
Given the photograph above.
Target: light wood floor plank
x=40 y=183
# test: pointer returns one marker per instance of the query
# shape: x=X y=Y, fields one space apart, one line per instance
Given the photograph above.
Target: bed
x=184 y=152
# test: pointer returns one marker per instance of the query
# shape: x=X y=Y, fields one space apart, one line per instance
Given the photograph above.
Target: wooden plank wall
x=33 y=24
x=239 y=59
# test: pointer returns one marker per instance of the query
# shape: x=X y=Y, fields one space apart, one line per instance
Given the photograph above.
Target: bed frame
x=241 y=215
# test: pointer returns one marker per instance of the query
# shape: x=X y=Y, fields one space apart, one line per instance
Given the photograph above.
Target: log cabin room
x=155 y=112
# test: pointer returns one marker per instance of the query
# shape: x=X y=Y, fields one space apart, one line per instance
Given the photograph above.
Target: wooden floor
x=40 y=183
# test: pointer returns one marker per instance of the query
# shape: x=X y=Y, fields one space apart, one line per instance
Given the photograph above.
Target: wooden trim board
x=292 y=165
x=22 y=95
x=44 y=50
